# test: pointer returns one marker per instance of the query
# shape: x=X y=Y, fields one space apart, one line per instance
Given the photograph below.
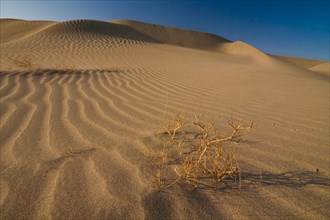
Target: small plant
x=24 y=63
x=27 y=64
x=196 y=154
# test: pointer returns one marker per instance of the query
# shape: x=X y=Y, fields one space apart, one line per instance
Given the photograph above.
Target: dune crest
x=322 y=68
x=13 y=29
x=194 y=39
x=80 y=28
x=176 y=36
x=241 y=48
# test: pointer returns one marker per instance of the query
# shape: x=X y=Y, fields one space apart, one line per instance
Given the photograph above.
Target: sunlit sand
x=82 y=103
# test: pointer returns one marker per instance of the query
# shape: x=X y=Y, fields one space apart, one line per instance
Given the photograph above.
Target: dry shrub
x=71 y=68
x=196 y=152
x=24 y=63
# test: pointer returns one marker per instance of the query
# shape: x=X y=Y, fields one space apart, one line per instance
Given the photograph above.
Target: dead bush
x=197 y=153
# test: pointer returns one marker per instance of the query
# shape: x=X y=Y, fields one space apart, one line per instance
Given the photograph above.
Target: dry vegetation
x=23 y=63
x=26 y=63
x=197 y=153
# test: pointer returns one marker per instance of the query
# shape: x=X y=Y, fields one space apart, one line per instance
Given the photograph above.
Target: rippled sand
x=79 y=126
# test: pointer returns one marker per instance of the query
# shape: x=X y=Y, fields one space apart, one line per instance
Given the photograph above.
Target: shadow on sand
x=250 y=181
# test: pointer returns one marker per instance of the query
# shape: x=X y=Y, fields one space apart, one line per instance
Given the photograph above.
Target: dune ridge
x=194 y=39
x=12 y=29
x=176 y=36
x=321 y=68
x=78 y=130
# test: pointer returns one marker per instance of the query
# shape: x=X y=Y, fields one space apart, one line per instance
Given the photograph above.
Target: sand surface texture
x=82 y=103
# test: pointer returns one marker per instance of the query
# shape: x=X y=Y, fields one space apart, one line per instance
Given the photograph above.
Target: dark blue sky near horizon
x=286 y=27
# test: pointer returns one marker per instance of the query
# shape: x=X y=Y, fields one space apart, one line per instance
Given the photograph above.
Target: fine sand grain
x=82 y=103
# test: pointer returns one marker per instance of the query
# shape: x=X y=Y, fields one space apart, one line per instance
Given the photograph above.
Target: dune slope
x=176 y=36
x=82 y=103
x=12 y=29
x=194 y=39
x=322 y=68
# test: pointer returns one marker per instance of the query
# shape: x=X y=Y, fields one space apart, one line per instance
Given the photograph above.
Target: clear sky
x=286 y=27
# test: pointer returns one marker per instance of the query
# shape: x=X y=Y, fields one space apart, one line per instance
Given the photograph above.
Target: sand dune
x=79 y=125
x=302 y=62
x=193 y=39
x=12 y=29
x=322 y=68
x=176 y=36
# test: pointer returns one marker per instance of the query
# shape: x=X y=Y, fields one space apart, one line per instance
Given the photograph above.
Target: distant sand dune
x=322 y=68
x=302 y=62
x=12 y=29
x=80 y=28
x=193 y=39
x=79 y=127
x=176 y=36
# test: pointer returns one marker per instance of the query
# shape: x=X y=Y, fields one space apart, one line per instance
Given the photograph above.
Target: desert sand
x=82 y=103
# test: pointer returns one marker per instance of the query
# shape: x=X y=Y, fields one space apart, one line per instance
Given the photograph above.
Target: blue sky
x=286 y=27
